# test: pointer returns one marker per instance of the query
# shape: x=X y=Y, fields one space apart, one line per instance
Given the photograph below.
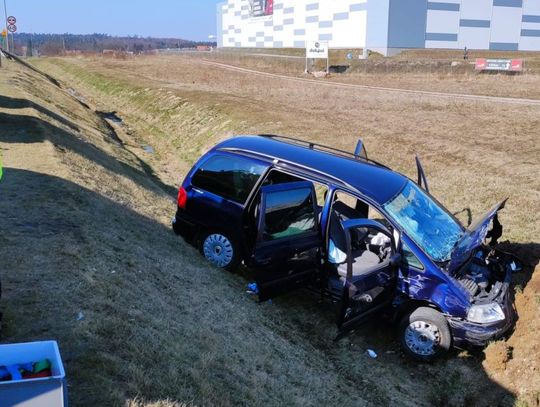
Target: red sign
x=480 y=64
x=12 y=28
x=259 y=8
x=269 y=7
x=517 y=65
x=511 y=65
x=11 y=20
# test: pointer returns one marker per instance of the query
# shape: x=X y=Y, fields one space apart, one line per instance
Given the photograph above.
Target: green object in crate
x=42 y=365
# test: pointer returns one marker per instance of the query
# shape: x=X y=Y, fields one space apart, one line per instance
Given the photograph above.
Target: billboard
x=514 y=65
x=260 y=8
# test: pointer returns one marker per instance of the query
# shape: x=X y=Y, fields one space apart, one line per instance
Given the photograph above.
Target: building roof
x=373 y=180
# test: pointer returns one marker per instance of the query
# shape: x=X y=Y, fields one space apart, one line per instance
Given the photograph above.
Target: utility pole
x=5 y=21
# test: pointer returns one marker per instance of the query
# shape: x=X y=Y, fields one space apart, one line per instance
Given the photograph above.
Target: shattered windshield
x=424 y=221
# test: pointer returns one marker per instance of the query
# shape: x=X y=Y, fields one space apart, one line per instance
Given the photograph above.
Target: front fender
x=443 y=294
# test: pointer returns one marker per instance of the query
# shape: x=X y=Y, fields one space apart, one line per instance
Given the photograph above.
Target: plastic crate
x=41 y=392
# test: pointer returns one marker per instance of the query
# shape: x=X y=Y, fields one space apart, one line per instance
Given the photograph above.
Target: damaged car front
x=454 y=272
x=485 y=273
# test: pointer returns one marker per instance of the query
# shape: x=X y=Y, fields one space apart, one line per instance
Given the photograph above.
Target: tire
x=220 y=249
x=425 y=334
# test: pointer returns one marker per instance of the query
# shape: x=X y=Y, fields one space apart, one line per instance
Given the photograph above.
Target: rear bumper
x=183 y=225
x=468 y=333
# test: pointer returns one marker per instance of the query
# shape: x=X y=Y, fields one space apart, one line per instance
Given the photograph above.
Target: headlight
x=485 y=313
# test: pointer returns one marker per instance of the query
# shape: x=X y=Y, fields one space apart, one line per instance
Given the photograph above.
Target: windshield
x=424 y=221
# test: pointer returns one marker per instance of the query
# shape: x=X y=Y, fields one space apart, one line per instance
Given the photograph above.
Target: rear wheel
x=220 y=250
x=425 y=334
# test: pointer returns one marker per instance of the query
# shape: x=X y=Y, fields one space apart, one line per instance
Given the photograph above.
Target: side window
x=277 y=177
x=227 y=176
x=410 y=259
x=289 y=213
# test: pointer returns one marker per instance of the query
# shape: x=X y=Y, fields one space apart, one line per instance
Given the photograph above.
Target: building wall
x=483 y=24
x=377 y=25
x=219 y=24
x=386 y=26
x=341 y=22
x=407 y=23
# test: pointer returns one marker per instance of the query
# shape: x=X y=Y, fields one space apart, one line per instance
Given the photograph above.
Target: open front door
x=287 y=252
x=422 y=180
x=371 y=272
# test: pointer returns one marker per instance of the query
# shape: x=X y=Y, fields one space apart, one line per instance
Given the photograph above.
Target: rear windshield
x=229 y=177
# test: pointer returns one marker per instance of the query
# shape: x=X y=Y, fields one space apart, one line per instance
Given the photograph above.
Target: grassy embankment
x=159 y=323
x=88 y=259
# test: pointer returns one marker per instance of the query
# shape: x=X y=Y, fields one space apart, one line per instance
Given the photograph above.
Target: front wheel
x=220 y=250
x=425 y=334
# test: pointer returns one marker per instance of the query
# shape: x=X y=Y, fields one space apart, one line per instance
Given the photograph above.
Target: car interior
x=370 y=248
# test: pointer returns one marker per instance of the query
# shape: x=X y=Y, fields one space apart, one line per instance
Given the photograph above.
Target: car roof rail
x=323 y=148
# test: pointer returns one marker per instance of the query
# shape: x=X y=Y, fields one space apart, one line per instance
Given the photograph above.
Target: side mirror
x=395 y=260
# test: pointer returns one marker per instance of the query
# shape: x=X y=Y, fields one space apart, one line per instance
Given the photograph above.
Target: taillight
x=182 y=198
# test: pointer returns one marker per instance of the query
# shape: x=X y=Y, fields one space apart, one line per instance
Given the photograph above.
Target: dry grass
x=470 y=149
x=162 y=325
x=161 y=403
x=424 y=70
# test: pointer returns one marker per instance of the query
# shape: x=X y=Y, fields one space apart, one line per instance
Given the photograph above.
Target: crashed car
x=303 y=215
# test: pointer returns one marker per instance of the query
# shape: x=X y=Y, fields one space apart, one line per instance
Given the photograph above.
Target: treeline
x=57 y=44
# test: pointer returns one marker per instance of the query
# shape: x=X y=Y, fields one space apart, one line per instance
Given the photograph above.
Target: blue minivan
x=303 y=215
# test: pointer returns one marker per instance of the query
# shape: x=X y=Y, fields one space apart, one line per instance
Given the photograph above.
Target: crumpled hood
x=473 y=237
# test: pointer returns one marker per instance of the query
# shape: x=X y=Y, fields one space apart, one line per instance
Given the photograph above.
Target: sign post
x=12 y=28
x=4 y=35
x=317 y=50
x=6 y=15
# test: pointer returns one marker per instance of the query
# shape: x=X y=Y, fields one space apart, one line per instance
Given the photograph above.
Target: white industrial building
x=387 y=26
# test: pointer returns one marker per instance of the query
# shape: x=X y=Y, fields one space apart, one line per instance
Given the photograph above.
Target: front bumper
x=469 y=333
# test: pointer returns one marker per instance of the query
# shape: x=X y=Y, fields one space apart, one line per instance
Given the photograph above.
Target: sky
x=186 y=19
